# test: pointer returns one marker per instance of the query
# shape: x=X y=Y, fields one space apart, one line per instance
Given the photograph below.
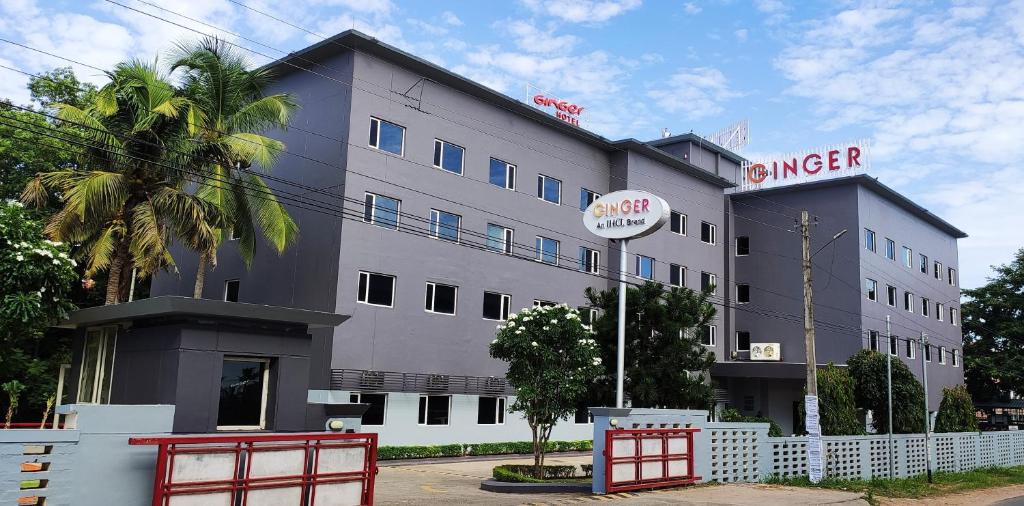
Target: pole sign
x=827 y=162
x=626 y=214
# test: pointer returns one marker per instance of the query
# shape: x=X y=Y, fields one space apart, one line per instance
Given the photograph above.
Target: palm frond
x=35 y=193
x=277 y=225
x=254 y=148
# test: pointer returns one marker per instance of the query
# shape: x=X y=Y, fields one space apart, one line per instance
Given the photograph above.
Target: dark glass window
x=387 y=136
x=871 y=286
x=503 y=174
x=677 y=275
x=587 y=197
x=376 y=289
x=873 y=340
x=708 y=281
x=374 y=414
x=448 y=156
x=549 y=189
x=434 y=409
x=742 y=293
x=491 y=411
x=582 y=416
x=441 y=298
x=891 y=295
x=742 y=340
x=231 y=290
x=677 y=223
x=869 y=240
x=496 y=305
x=242 y=393
x=589 y=260
x=708 y=233
x=742 y=245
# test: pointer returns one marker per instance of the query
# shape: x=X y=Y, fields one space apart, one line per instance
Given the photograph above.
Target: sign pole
x=888 y=378
x=621 y=347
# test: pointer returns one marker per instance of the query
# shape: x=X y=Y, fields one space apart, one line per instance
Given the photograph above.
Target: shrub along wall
x=459 y=450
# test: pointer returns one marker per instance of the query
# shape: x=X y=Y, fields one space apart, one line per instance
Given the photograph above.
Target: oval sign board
x=626 y=214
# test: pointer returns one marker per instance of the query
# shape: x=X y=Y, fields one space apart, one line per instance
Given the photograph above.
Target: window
x=547 y=250
x=908 y=257
x=742 y=246
x=448 y=156
x=708 y=233
x=954 y=316
x=911 y=349
x=908 y=301
x=742 y=340
x=434 y=409
x=375 y=414
x=942 y=355
x=677 y=275
x=97 y=366
x=496 y=306
x=589 y=260
x=582 y=416
x=937 y=268
x=444 y=225
x=893 y=346
x=956 y=358
x=588 y=315
x=491 y=411
x=925 y=303
x=243 y=394
x=872 y=288
x=927 y=353
x=677 y=223
x=644 y=267
x=869 y=240
x=543 y=303
x=387 y=136
x=742 y=293
x=503 y=174
x=709 y=335
x=549 y=189
x=951 y=276
x=873 y=340
x=924 y=263
x=587 y=197
x=891 y=291
x=499 y=238
x=376 y=289
x=939 y=309
x=708 y=281
x=890 y=249
x=381 y=211
x=231 y=290
x=441 y=298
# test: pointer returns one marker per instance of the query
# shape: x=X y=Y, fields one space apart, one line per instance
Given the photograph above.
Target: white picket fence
x=742 y=452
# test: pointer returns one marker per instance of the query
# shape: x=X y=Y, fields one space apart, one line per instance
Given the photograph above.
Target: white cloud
x=694 y=92
x=582 y=11
x=450 y=18
x=776 y=11
x=535 y=40
x=691 y=8
x=741 y=34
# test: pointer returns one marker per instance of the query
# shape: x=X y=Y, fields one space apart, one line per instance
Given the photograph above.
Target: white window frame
x=908 y=257
x=108 y=339
x=894 y=300
x=538 y=246
x=435 y=218
x=923 y=267
x=940 y=308
x=373 y=211
x=871 y=245
x=263 y=395
x=893 y=344
x=422 y=422
x=508 y=236
x=951 y=276
x=713 y=335
x=442 y=142
x=510 y=174
x=942 y=355
x=681 y=271
x=874 y=289
x=713 y=233
x=738 y=340
x=937 y=266
x=956 y=357
x=890 y=249
x=359 y=399
x=500 y=407
x=541 y=179
x=591 y=196
x=544 y=303
x=594 y=257
x=738 y=285
x=227 y=282
x=377 y=147
x=911 y=350
x=433 y=303
x=737 y=246
x=713 y=280
x=925 y=302
x=908 y=302
x=505 y=304
x=636 y=271
x=927 y=353
x=682 y=223
x=874 y=341
x=366 y=296
x=954 y=316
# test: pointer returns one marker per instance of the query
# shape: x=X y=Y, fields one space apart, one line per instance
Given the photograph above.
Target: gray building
x=442 y=205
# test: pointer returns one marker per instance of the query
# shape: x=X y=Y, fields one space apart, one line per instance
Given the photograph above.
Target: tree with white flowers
x=552 y=361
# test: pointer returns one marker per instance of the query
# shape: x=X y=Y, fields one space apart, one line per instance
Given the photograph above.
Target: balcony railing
x=390 y=381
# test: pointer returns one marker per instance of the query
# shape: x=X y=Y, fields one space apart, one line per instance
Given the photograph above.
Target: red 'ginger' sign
x=822 y=163
x=565 y=111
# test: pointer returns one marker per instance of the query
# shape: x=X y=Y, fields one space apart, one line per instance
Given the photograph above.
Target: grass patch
x=917 y=486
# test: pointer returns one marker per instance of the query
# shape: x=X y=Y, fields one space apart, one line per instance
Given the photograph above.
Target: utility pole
x=927 y=416
x=888 y=381
x=811 y=419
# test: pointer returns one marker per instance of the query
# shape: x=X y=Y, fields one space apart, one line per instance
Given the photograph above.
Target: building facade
x=433 y=206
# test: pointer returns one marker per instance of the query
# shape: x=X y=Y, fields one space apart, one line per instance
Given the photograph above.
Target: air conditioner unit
x=437 y=382
x=765 y=352
x=495 y=385
x=371 y=380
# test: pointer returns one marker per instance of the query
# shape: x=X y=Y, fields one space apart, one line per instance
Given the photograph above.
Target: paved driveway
x=458 y=483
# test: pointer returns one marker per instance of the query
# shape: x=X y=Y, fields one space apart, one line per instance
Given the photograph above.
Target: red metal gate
x=302 y=469
x=648 y=458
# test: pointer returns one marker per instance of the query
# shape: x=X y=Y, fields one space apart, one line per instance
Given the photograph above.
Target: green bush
x=588 y=470
x=956 y=411
x=458 y=450
x=525 y=474
x=836 y=402
x=867 y=368
x=732 y=415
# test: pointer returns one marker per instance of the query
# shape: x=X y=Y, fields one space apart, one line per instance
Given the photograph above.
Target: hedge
x=733 y=415
x=524 y=473
x=459 y=450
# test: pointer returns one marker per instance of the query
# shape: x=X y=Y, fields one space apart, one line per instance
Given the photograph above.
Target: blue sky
x=936 y=87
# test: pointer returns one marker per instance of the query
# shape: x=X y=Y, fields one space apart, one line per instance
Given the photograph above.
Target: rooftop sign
x=626 y=214
x=826 y=162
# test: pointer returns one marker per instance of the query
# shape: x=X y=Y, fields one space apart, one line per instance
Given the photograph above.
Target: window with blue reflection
x=644 y=267
x=503 y=174
x=549 y=189
x=547 y=250
x=387 y=136
x=448 y=156
x=444 y=225
x=381 y=211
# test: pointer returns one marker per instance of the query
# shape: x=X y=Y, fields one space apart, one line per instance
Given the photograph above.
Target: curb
x=533 y=488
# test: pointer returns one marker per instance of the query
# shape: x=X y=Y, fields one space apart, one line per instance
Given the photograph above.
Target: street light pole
x=927 y=416
x=888 y=378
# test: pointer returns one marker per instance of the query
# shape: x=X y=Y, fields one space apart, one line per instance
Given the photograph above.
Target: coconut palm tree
x=125 y=200
x=228 y=111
